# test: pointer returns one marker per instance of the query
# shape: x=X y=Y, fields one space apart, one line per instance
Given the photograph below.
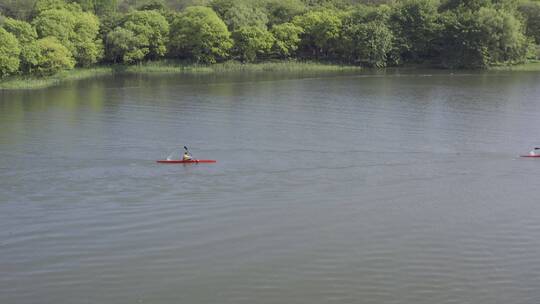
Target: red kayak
x=194 y=161
x=529 y=155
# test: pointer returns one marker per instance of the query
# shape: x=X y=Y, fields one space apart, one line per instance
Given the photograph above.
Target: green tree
x=76 y=30
x=368 y=43
x=105 y=7
x=123 y=46
x=9 y=53
x=58 y=23
x=18 y=9
x=282 y=11
x=45 y=5
x=151 y=32
x=108 y=23
x=364 y=13
x=98 y=7
x=27 y=36
x=152 y=5
x=461 y=45
x=251 y=42
x=415 y=26
x=330 y=4
x=239 y=13
x=475 y=5
x=22 y=30
x=199 y=34
x=86 y=5
x=140 y=35
x=87 y=47
x=53 y=57
x=531 y=12
x=221 y=7
x=503 y=35
x=476 y=39
x=472 y=5
x=287 y=39
x=366 y=37
x=321 y=31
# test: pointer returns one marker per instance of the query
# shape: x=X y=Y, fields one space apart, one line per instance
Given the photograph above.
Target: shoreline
x=531 y=66
x=169 y=67
x=182 y=68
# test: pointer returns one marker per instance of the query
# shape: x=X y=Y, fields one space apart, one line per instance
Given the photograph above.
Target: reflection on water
x=384 y=187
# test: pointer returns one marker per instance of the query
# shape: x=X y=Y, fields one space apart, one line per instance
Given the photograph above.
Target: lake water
x=390 y=187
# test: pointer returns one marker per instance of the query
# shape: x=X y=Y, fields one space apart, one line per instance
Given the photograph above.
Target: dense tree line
x=42 y=37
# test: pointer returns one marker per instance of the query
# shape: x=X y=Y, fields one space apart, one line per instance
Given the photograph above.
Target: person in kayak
x=187 y=155
x=534 y=152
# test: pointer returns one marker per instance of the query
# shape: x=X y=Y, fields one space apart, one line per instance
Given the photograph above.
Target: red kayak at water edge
x=193 y=161
x=534 y=153
x=186 y=159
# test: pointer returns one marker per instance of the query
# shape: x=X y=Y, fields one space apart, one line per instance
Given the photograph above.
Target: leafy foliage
x=199 y=34
x=321 y=31
x=24 y=32
x=287 y=39
x=368 y=43
x=482 y=38
x=414 y=23
x=19 y=9
x=282 y=11
x=122 y=46
x=48 y=36
x=531 y=11
x=251 y=42
x=366 y=37
x=27 y=36
x=87 y=47
x=238 y=13
x=46 y=5
x=151 y=31
x=98 y=7
x=138 y=35
x=58 y=23
x=74 y=29
x=53 y=57
x=9 y=53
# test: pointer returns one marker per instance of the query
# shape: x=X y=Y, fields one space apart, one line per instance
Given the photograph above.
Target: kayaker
x=187 y=155
x=534 y=152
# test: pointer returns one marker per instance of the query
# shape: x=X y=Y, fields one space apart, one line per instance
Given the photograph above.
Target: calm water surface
x=401 y=187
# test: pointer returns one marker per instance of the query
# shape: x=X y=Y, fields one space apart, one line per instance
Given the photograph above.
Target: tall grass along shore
x=170 y=67
x=33 y=82
x=532 y=66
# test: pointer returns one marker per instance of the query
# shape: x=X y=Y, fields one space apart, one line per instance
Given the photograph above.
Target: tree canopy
x=321 y=30
x=76 y=30
x=200 y=35
x=46 y=36
x=240 y=13
x=53 y=57
x=415 y=25
x=531 y=12
x=9 y=53
x=287 y=39
x=251 y=42
x=282 y=11
x=151 y=30
x=27 y=36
